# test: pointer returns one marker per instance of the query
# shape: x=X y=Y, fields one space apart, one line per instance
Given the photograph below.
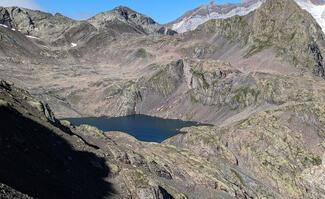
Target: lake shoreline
x=143 y=127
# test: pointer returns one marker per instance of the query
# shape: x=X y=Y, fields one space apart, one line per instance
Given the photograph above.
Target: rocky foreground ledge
x=42 y=157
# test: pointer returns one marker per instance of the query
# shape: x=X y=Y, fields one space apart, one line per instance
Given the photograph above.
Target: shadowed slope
x=37 y=158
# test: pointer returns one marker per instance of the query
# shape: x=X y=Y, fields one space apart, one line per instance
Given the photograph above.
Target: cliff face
x=37 y=157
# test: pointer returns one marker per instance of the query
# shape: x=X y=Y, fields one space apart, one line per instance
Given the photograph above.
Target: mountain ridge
x=40 y=24
x=191 y=19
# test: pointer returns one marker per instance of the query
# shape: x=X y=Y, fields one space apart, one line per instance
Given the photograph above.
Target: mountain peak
x=126 y=19
x=129 y=14
x=212 y=4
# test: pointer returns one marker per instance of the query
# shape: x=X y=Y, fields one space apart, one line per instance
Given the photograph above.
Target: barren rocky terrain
x=257 y=78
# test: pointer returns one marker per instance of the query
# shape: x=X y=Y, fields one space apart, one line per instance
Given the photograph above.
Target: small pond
x=142 y=127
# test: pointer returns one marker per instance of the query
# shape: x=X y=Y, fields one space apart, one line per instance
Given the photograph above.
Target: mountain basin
x=142 y=127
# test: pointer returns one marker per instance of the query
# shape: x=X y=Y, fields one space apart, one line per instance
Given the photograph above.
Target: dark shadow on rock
x=36 y=161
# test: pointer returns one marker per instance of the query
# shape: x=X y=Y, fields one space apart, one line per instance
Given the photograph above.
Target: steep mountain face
x=192 y=19
x=280 y=26
x=316 y=9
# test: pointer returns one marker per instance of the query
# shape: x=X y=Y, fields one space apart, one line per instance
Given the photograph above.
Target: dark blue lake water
x=142 y=127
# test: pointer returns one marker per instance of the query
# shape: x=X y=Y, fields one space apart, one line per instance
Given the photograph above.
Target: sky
x=162 y=11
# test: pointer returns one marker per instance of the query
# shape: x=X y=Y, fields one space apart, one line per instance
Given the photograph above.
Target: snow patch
x=74 y=44
x=317 y=11
x=3 y=25
x=32 y=37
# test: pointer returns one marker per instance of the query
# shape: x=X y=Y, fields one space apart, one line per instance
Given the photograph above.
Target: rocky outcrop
x=9 y=193
x=318 y=57
x=36 y=23
x=281 y=147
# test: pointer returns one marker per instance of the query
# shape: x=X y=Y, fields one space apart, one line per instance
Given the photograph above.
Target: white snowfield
x=192 y=21
x=3 y=25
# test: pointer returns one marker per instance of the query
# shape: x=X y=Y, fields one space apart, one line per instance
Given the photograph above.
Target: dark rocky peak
x=123 y=19
x=131 y=15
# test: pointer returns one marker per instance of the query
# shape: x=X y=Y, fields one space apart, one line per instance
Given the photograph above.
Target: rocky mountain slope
x=46 y=158
x=83 y=162
x=192 y=19
x=136 y=21
x=316 y=8
x=59 y=30
x=158 y=75
x=128 y=73
x=258 y=78
x=276 y=153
